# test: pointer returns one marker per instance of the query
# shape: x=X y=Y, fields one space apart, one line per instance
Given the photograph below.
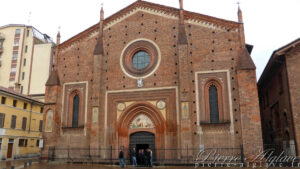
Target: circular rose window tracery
x=140 y=58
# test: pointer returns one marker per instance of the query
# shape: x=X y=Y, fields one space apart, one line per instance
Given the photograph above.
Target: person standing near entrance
x=140 y=156
x=133 y=156
x=121 y=158
x=147 y=157
x=150 y=155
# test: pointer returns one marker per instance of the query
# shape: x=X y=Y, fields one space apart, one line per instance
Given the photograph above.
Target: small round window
x=140 y=60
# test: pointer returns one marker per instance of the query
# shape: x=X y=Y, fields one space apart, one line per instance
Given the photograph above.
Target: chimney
x=17 y=87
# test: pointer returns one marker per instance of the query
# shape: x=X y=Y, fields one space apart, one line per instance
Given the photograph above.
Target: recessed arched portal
x=142 y=126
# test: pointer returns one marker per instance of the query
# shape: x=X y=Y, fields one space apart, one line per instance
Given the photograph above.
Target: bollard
x=25 y=164
x=30 y=162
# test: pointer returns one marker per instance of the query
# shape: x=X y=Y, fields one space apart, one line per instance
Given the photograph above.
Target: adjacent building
x=279 y=99
x=153 y=76
x=25 y=59
x=21 y=122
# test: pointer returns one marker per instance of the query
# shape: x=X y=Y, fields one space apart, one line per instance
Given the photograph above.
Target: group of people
x=142 y=157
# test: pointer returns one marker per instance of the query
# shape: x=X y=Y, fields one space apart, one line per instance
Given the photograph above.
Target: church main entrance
x=142 y=126
x=142 y=141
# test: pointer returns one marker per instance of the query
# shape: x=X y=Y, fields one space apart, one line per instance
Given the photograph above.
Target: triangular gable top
x=166 y=10
x=245 y=61
x=53 y=79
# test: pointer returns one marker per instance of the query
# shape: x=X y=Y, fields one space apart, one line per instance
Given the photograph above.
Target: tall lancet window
x=75 y=111
x=213 y=104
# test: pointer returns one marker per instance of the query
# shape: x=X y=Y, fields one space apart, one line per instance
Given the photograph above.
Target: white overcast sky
x=269 y=24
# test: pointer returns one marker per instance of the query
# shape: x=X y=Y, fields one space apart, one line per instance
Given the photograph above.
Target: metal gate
x=143 y=140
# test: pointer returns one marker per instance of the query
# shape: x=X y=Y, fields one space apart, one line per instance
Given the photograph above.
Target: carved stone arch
x=137 y=109
x=221 y=99
x=130 y=113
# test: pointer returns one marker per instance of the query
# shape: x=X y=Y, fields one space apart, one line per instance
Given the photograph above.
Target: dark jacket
x=133 y=153
x=147 y=154
x=121 y=154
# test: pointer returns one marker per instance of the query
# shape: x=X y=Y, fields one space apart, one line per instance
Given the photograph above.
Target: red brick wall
x=270 y=90
x=250 y=116
x=292 y=63
x=208 y=49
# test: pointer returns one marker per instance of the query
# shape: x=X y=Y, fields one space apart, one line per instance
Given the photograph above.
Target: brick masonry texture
x=278 y=93
x=208 y=49
x=293 y=73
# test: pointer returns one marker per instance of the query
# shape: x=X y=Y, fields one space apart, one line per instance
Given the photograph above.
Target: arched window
x=75 y=116
x=213 y=104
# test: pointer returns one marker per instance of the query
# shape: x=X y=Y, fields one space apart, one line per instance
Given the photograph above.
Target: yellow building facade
x=21 y=124
x=26 y=56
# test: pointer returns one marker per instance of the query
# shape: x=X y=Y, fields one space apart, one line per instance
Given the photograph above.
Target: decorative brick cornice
x=157 y=8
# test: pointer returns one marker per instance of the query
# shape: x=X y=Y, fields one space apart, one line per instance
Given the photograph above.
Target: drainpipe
x=30 y=117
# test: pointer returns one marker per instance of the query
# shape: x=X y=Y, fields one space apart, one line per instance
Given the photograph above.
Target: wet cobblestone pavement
x=36 y=164
x=17 y=163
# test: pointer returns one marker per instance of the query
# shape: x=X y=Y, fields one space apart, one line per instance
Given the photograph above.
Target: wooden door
x=9 y=150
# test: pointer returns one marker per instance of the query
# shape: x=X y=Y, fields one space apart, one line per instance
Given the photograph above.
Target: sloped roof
x=53 y=79
x=19 y=95
x=275 y=55
x=245 y=61
x=160 y=8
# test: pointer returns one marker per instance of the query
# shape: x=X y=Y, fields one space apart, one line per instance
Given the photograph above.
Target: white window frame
x=19 y=32
x=13 y=69
x=15 y=56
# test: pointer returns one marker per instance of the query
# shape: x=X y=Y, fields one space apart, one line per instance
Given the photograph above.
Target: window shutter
x=2 y=119
x=41 y=125
x=13 y=121
x=21 y=142
x=24 y=121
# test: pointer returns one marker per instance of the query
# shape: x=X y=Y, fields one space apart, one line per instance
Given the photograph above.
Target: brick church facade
x=178 y=78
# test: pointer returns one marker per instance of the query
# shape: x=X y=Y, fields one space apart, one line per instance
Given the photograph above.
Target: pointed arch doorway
x=142 y=141
x=142 y=126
